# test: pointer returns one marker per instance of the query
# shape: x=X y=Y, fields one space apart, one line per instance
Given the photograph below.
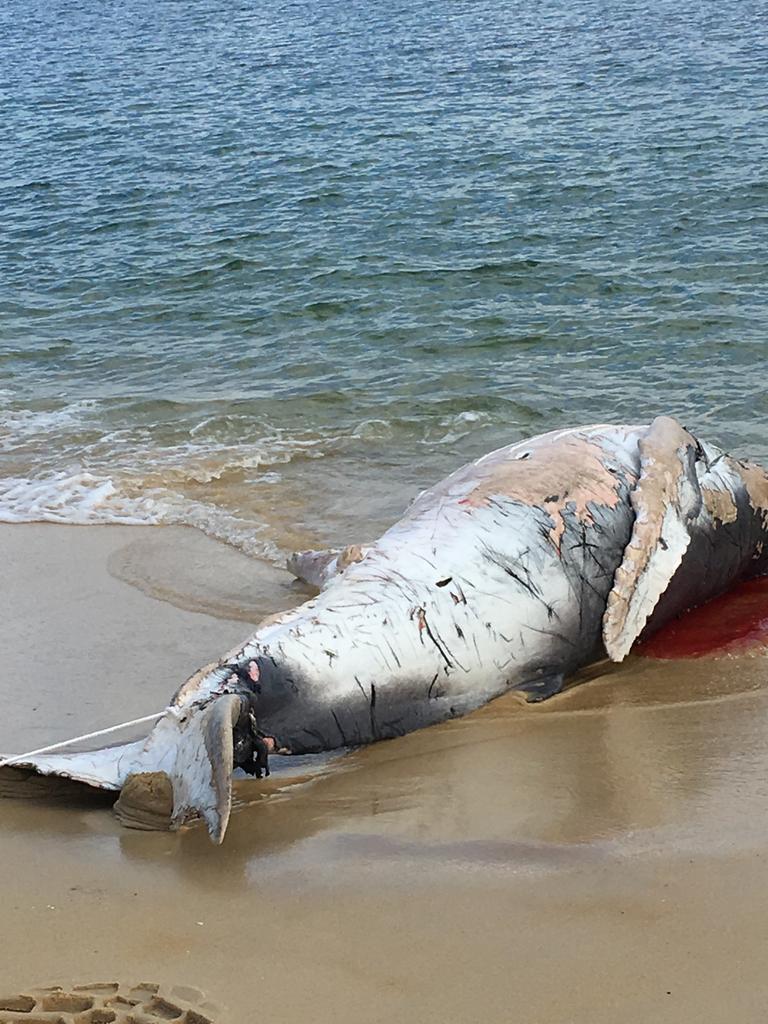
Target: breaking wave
x=235 y=477
x=78 y=497
x=85 y=499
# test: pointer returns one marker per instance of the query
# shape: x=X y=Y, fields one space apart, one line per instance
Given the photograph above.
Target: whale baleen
x=512 y=573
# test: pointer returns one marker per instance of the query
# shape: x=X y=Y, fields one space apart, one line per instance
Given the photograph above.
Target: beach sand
x=599 y=858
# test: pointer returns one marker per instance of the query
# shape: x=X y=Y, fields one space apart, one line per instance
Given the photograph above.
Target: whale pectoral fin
x=318 y=568
x=542 y=687
x=665 y=499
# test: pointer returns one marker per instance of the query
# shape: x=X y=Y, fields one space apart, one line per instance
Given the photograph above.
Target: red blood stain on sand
x=730 y=624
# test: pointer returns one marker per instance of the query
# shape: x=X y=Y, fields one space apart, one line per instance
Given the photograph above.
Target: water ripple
x=232 y=224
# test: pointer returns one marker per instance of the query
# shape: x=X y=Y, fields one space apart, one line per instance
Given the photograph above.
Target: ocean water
x=270 y=269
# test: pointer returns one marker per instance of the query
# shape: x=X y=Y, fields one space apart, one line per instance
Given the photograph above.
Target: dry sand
x=600 y=858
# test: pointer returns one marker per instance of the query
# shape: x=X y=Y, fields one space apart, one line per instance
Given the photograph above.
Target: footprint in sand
x=107 y=1003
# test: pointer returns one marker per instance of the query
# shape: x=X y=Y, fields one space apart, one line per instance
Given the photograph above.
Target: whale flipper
x=542 y=687
x=665 y=499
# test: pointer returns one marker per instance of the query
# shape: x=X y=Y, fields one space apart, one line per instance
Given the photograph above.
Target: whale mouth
x=251 y=749
x=218 y=735
x=221 y=736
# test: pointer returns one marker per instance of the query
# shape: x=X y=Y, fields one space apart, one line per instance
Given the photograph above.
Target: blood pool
x=733 y=623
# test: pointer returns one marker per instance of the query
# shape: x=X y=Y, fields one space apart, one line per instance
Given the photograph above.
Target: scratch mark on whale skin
x=424 y=627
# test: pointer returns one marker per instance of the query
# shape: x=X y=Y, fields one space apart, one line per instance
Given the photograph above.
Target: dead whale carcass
x=512 y=573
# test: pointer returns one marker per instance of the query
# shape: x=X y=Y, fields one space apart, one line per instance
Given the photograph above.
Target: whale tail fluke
x=181 y=771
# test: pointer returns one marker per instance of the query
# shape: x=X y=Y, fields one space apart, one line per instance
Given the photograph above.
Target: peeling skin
x=512 y=573
x=720 y=505
x=318 y=568
x=756 y=484
x=351 y=554
x=545 y=478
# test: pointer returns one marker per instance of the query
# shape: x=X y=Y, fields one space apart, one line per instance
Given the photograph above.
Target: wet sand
x=598 y=858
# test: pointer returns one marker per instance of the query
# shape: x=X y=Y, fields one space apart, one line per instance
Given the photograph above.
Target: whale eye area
x=445 y=582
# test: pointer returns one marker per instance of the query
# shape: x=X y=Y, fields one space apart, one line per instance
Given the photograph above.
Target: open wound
x=734 y=623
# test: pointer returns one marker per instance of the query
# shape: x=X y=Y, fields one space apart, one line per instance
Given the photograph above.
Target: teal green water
x=271 y=268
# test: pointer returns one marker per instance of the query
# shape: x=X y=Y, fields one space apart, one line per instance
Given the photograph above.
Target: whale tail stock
x=181 y=771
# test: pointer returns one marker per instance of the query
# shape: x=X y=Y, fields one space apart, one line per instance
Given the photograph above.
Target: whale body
x=511 y=574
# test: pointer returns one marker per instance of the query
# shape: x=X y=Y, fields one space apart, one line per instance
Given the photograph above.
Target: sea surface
x=271 y=268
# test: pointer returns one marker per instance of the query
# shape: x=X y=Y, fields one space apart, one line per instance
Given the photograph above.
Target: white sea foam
x=63 y=466
x=20 y=424
x=83 y=498
x=458 y=426
x=71 y=497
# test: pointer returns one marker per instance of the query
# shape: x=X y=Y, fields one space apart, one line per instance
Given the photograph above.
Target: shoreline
x=437 y=877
